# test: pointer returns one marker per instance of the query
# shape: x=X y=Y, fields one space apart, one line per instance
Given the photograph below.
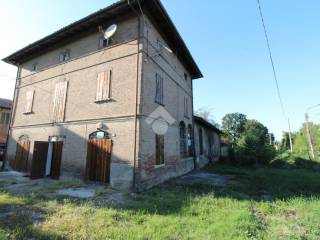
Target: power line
x=271 y=59
x=274 y=73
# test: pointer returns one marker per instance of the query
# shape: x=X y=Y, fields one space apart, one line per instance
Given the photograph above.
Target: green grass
x=179 y=212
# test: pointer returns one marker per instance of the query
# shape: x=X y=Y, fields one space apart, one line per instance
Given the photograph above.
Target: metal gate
x=20 y=163
x=98 y=160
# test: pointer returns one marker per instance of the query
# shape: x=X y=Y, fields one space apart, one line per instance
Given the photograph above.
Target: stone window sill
x=159 y=166
x=103 y=101
x=28 y=113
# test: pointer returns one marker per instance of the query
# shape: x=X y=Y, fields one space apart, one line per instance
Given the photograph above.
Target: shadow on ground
x=239 y=183
x=218 y=181
x=18 y=221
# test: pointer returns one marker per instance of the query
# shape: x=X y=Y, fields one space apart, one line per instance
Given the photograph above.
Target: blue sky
x=225 y=38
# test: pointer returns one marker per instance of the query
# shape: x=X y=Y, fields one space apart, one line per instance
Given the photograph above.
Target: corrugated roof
x=5 y=103
x=153 y=8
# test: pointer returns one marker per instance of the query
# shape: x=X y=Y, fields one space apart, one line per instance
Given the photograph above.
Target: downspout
x=13 y=110
x=134 y=189
x=193 y=140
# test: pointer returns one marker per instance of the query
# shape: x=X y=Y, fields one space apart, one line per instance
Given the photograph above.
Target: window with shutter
x=104 y=86
x=103 y=43
x=7 y=118
x=29 y=102
x=186 y=107
x=59 y=101
x=159 y=150
x=64 y=56
x=2 y=120
x=159 y=90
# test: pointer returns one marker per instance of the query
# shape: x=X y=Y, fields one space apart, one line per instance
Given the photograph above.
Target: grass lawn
x=264 y=203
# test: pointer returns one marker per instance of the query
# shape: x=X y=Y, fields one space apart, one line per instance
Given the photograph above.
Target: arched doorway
x=190 y=140
x=99 y=151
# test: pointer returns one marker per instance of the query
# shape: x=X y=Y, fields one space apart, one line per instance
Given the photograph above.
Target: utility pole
x=270 y=138
x=310 y=142
x=290 y=136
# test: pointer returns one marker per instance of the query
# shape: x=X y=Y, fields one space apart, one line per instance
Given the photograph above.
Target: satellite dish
x=110 y=31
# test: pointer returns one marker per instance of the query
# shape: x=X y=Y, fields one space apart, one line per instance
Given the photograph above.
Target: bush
x=253 y=146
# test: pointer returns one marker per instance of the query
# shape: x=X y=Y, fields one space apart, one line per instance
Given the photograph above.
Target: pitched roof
x=153 y=8
x=204 y=122
x=5 y=103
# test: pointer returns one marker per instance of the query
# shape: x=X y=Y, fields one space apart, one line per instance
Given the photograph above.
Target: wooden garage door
x=98 y=160
x=38 y=165
x=20 y=163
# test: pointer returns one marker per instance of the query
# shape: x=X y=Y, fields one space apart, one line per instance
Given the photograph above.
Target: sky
x=225 y=38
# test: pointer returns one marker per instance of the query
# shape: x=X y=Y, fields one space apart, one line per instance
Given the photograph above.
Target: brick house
x=5 y=110
x=118 y=111
x=207 y=142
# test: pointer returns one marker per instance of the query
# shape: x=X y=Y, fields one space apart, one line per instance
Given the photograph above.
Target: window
x=185 y=76
x=104 y=86
x=103 y=43
x=159 y=89
x=159 y=150
x=183 y=148
x=98 y=135
x=2 y=119
x=64 y=56
x=34 y=67
x=24 y=138
x=59 y=101
x=159 y=45
x=200 y=141
x=29 y=102
x=186 y=107
x=5 y=118
x=190 y=140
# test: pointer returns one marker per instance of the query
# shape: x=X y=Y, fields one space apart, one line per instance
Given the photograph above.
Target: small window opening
x=185 y=76
x=34 y=67
x=64 y=56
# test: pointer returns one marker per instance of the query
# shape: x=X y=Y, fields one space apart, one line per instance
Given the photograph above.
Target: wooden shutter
x=61 y=57
x=59 y=101
x=159 y=89
x=103 y=86
x=67 y=55
x=186 y=107
x=29 y=101
x=99 y=93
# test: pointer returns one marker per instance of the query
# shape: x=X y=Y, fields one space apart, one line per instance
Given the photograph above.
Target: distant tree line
x=250 y=140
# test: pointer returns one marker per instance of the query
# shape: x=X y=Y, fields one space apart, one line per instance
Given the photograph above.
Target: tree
x=233 y=126
x=206 y=115
x=300 y=139
x=253 y=146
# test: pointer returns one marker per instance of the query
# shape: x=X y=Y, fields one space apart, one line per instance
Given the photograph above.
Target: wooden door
x=20 y=162
x=99 y=160
x=56 y=160
x=38 y=165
